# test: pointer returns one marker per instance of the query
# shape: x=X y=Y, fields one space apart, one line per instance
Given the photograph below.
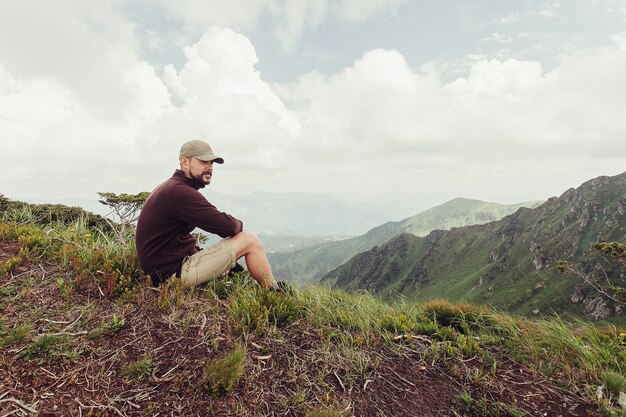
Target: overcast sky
x=399 y=104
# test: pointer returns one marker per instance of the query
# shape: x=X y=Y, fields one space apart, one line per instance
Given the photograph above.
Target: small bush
x=461 y=316
x=109 y=328
x=9 y=337
x=49 y=348
x=615 y=383
x=397 y=322
x=325 y=413
x=139 y=370
x=219 y=377
x=254 y=311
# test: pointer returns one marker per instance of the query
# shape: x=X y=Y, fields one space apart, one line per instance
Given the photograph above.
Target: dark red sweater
x=173 y=210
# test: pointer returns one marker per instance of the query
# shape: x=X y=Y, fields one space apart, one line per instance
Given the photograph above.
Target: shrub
x=49 y=348
x=139 y=370
x=9 y=337
x=255 y=310
x=219 y=377
x=614 y=382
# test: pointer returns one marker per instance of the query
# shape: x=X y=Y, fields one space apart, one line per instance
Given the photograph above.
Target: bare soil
x=290 y=371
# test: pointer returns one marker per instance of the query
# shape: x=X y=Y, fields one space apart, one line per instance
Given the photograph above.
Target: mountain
x=311 y=264
x=509 y=263
x=305 y=214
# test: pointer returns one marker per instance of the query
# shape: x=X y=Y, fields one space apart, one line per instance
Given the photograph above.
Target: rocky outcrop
x=598 y=308
x=579 y=294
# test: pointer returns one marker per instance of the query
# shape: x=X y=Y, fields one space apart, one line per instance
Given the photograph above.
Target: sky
x=398 y=105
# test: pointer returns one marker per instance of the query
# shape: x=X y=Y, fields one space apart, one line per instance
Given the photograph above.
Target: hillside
x=509 y=263
x=83 y=334
x=312 y=263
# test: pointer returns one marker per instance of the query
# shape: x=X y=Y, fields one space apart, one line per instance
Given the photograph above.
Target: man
x=165 y=246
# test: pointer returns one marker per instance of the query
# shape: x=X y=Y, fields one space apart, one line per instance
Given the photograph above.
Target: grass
x=50 y=348
x=220 y=377
x=13 y=336
x=323 y=343
x=139 y=370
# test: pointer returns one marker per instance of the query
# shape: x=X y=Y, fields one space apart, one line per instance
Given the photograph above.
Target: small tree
x=126 y=207
x=603 y=284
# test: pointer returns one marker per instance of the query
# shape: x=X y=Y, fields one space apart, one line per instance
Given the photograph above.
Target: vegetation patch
x=220 y=377
x=139 y=370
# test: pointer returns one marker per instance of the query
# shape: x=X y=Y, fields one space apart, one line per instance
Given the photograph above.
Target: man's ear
x=184 y=163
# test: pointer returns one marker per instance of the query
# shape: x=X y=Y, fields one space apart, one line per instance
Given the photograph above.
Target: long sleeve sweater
x=171 y=212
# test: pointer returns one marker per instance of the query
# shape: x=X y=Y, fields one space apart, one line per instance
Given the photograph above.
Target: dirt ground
x=293 y=371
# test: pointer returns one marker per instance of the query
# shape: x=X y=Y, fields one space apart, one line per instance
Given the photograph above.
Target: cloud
x=78 y=45
x=360 y=10
x=296 y=17
x=291 y=18
x=224 y=98
x=507 y=118
x=506 y=19
x=496 y=37
x=217 y=95
x=549 y=9
x=198 y=16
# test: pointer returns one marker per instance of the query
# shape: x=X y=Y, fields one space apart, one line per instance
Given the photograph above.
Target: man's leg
x=208 y=264
x=249 y=245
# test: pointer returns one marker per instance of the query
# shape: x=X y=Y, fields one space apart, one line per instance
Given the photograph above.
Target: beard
x=204 y=177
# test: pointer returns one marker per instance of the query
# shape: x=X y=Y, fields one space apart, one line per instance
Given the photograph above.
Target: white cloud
x=507 y=19
x=507 y=118
x=296 y=17
x=496 y=37
x=79 y=45
x=360 y=10
x=224 y=97
x=198 y=16
x=220 y=97
x=291 y=18
x=549 y=9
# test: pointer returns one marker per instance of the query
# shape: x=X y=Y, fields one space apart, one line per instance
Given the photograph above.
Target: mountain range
x=509 y=263
x=312 y=263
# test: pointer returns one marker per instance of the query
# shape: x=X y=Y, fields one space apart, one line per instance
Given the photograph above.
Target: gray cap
x=199 y=149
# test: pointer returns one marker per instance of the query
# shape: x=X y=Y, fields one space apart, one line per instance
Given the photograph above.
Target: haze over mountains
x=509 y=263
x=311 y=264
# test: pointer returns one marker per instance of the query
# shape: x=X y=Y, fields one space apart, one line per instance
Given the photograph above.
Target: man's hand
x=282 y=287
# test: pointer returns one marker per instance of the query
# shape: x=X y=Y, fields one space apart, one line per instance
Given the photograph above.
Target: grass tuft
x=16 y=335
x=219 y=377
x=139 y=370
x=614 y=382
x=260 y=310
x=49 y=348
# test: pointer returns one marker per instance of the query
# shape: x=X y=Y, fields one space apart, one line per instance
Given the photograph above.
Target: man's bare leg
x=249 y=245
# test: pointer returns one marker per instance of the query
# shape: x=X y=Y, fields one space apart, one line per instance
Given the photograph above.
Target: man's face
x=198 y=170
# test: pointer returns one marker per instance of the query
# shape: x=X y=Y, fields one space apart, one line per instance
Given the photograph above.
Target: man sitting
x=165 y=246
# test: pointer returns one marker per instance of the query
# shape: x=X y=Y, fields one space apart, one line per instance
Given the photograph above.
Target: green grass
x=13 y=336
x=139 y=370
x=220 y=376
x=50 y=348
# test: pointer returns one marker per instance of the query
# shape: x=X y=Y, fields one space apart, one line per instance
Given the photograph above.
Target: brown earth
x=290 y=371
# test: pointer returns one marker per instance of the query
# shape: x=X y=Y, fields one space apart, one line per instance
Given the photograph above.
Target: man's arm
x=191 y=207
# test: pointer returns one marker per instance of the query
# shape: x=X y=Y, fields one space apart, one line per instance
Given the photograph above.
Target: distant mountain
x=312 y=263
x=304 y=214
x=509 y=263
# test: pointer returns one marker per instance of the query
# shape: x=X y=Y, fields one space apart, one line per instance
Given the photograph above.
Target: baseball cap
x=199 y=149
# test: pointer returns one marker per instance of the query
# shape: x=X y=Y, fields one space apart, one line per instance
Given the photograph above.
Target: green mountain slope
x=509 y=263
x=312 y=263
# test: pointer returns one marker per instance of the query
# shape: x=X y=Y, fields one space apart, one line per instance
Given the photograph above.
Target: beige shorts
x=208 y=264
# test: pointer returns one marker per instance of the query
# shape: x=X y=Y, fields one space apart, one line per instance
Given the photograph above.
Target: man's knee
x=246 y=242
